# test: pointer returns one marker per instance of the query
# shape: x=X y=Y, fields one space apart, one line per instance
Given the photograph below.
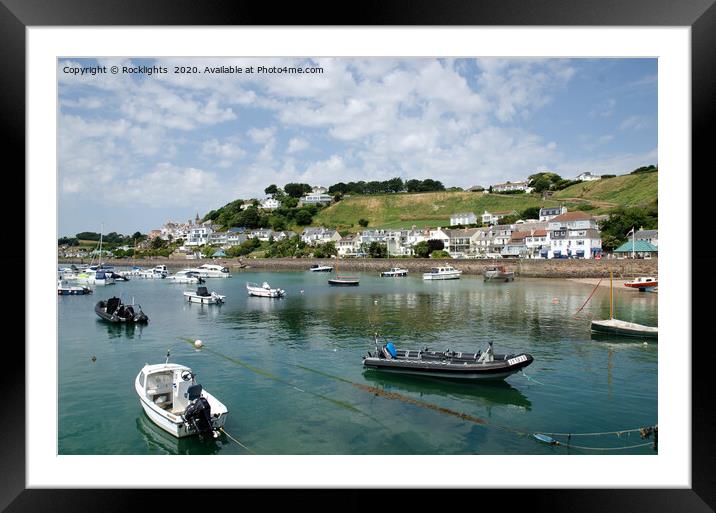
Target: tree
x=644 y=169
x=271 y=189
x=296 y=190
x=622 y=220
x=440 y=254
x=377 y=250
x=531 y=213
x=422 y=249
x=303 y=217
x=325 y=250
x=363 y=222
x=435 y=245
x=157 y=243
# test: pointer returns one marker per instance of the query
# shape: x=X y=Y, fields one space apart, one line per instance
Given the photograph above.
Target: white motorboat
x=315 y=268
x=264 y=290
x=498 y=273
x=174 y=401
x=394 y=272
x=65 y=289
x=186 y=276
x=157 y=272
x=203 y=296
x=445 y=272
x=211 y=271
x=94 y=277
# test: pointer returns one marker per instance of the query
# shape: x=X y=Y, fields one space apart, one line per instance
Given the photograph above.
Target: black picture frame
x=17 y=15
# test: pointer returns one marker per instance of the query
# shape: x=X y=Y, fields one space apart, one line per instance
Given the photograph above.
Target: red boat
x=643 y=283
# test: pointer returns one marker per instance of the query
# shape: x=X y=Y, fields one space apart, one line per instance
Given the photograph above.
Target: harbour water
x=291 y=374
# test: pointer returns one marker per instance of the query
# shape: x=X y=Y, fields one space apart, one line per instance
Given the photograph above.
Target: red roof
x=540 y=233
x=572 y=216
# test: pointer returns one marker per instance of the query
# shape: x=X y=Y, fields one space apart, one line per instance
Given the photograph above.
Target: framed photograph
x=480 y=184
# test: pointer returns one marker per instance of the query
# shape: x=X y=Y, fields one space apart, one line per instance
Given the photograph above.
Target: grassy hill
x=421 y=210
x=434 y=208
x=625 y=190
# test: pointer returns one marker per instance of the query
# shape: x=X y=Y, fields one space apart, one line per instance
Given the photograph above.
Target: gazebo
x=219 y=254
x=639 y=248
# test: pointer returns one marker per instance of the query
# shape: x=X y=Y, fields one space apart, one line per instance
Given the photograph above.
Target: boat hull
x=625 y=329
x=343 y=283
x=388 y=274
x=441 y=276
x=204 y=300
x=173 y=424
x=458 y=370
x=500 y=277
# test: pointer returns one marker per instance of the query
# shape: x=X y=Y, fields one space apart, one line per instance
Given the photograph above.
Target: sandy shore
x=618 y=284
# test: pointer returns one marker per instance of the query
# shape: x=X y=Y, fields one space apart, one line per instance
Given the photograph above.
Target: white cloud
x=296 y=145
x=634 y=123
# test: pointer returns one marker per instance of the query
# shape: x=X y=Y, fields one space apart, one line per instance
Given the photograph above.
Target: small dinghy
x=174 y=401
x=113 y=310
x=203 y=296
x=484 y=365
x=264 y=290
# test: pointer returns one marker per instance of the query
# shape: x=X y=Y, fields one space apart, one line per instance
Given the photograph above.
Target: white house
x=315 y=198
x=348 y=245
x=587 y=177
x=650 y=236
x=198 y=235
x=494 y=217
x=511 y=186
x=463 y=218
x=461 y=241
x=441 y=235
x=574 y=235
x=270 y=204
x=261 y=234
x=548 y=213
x=321 y=235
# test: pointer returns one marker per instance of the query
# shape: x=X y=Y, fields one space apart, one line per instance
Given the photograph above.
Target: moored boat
x=498 y=273
x=94 y=277
x=185 y=276
x=394 y=272
x=173 y=399
x=315 y=268
x=112 y=310
x=480 y=366
x=643 y=283
x=344 y=281
x=211 y=271
x=203 y=297
x=444 y=272
x=624 y=328
x=65 y=289
x=264 y=290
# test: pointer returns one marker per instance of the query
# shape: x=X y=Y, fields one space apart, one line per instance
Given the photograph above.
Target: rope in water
x=594 y=434
x=235 y=440
x=590 y=297
x=602 y=448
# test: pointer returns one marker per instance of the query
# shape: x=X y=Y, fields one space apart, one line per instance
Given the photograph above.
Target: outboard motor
x=198 y=413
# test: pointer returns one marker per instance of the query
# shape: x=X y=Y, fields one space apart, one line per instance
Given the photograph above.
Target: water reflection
x=488 y=393
x=121 y=329
x=158 y=440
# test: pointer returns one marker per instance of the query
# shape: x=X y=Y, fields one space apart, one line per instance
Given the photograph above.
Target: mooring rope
x=570 y=446
x=590 y=297
x=235 y=440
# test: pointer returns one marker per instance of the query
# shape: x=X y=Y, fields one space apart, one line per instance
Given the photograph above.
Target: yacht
x=444 y=272
x=186 y=276
x=394 y=272
x=95 y=277
x=211 y=271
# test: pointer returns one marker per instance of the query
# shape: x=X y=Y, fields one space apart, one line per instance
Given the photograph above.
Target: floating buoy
x=555 y=300
x=198 y=343
x=545 y=439
x=301 y=291
x=645 y=343
x=94 y=358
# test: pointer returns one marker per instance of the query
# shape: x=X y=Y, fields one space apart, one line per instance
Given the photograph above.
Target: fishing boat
x=173 y=399
x=315 y=268
x=264 y=290
x=498 y=273
x=444 y=272
x=394 y=272
x=185 y=276
x=343 y=281
x=480 y=366
x=65 y=289
x=643 y=283
x=114 y=311
x=212 y=271
x=618 y=327
x=203 y=296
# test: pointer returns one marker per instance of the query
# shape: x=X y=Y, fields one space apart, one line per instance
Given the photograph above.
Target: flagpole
x=633 y=241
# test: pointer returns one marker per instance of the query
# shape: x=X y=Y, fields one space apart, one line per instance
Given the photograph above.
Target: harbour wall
x=530 y=268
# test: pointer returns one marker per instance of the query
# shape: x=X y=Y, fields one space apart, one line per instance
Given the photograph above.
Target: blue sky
x=135 y=151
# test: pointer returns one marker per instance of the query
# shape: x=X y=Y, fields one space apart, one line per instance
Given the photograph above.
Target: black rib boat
x=483 y=365
x=113 y=310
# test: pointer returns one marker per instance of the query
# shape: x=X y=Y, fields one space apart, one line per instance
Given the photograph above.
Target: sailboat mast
x=611 y=297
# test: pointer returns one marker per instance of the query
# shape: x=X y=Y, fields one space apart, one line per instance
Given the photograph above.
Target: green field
x=428 y=209
x=625 y=190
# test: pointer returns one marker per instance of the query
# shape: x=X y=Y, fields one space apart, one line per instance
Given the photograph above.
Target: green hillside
x=427 y=209
x=625 y=190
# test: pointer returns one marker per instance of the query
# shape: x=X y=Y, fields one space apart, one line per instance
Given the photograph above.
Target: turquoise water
x=291 y=374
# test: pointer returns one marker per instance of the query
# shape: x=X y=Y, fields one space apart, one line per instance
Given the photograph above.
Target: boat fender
x=391 y=349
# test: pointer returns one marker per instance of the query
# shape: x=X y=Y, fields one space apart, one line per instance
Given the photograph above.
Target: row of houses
x=523 y=185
